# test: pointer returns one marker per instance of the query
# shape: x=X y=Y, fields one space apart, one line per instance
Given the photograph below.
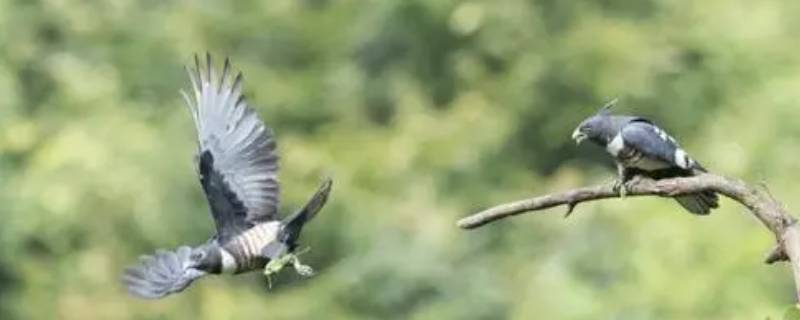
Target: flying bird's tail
x=162 y=274
x=294 y=223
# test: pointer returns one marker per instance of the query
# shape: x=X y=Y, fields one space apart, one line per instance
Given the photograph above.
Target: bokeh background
x=422 y=112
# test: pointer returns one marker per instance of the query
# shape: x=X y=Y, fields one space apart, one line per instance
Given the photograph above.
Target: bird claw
x=624 y=187
x=621 y=187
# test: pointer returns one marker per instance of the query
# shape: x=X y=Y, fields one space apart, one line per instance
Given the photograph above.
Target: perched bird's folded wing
x=654 y=143
x=238 y=157
x=162 y=274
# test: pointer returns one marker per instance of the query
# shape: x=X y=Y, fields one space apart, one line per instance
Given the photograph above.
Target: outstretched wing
x=654 y=143
x=238 y=161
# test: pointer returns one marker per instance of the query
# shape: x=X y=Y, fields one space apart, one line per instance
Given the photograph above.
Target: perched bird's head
x=598 y=128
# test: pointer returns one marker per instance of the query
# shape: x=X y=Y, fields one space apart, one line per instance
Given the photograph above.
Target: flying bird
x=639 y=147
x=238 y=167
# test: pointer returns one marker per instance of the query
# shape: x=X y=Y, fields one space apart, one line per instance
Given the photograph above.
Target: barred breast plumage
x=245 y=248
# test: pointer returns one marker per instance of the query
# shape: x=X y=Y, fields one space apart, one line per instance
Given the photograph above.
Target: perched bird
x=238 y=166
x=639 y=147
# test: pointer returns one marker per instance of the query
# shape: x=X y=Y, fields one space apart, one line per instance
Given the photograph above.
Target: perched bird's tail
x=294 y=223
x=699 y=203
x=164 y=273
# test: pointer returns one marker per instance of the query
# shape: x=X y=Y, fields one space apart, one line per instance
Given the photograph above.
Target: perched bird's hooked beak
x=579 y=136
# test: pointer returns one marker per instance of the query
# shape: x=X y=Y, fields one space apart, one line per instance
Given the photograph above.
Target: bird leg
x=624 y=180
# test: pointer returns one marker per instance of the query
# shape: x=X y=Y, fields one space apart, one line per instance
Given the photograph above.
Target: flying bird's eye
x=198 y=255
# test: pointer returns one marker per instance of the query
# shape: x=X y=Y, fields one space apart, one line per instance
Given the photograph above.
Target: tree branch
x=762 y=205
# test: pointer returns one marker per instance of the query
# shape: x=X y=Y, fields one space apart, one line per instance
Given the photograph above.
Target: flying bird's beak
x=578 y=136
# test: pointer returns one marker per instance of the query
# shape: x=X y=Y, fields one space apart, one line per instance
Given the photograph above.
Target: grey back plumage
x=654 y=143
x=238 y=157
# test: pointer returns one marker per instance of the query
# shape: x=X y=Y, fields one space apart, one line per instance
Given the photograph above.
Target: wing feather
x=239 y=175
x=654 y=143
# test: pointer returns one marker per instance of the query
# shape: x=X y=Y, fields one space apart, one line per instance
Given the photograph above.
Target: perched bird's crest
x=605 y=109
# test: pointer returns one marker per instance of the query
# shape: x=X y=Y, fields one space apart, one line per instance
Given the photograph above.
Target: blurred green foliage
x=423 y=112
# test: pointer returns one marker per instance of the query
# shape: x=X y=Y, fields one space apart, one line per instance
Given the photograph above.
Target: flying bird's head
x=168 y=272
x=598 y=128
x=208 y=258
